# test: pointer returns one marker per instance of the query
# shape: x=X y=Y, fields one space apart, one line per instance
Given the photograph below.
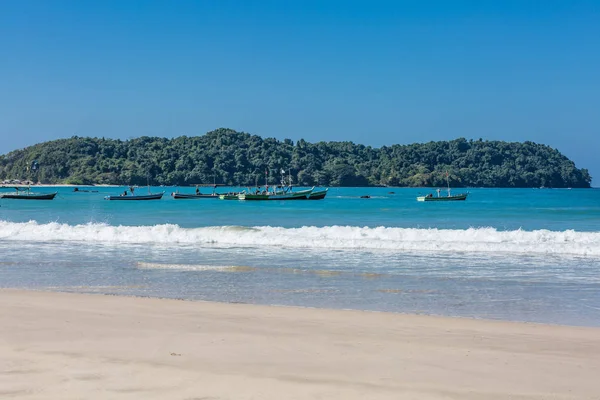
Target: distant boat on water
x=439 y=197
x=77 y=190
x=26 y=194
x=284 y=194
x=283 y=191
x=229 y=196
x=176 y=195
x=318 y=194
x=198 y=194
x=152 y=196
x=132 y=196
x=449 y=197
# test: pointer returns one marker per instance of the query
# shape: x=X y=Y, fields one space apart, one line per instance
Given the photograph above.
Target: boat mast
x=448 y=182
x=267 y=180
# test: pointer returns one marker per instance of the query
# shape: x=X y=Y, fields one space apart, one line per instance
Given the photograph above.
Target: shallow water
x=516 y=254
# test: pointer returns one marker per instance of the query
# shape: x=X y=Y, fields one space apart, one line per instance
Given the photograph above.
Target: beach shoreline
x=62 y=345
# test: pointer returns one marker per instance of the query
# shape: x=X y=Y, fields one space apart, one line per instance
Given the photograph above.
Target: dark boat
x=29 y=196
x=318 y=195
x=152 y=196
x=449 y=197
x=77 y=190
x=456 y=197
x=133 y=196
x=194 y=196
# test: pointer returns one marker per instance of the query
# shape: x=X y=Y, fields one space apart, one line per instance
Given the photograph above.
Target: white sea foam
x=195 y=267
x=484 y=240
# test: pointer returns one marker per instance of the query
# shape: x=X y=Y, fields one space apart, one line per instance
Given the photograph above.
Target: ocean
x=512 y=254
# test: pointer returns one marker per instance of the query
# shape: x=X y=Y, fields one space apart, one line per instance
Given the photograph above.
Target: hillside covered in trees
x=235 y=158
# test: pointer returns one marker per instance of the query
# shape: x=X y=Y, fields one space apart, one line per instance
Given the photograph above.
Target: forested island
x=225 y=156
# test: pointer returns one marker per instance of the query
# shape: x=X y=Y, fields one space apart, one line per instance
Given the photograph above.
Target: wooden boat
x=439 y=197
x=462 y=196
x=318 y=195
x=152 y=196
x=229 y=196
x=29 y=196
x=176 y=195
x=276 y=195
x=199 y=195
x=124 y=196
x=77 y=190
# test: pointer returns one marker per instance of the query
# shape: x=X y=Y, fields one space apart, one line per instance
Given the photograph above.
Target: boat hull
x=320 y=195
x=179 y=196
x=229 y=197
x=457 y=197
x=302 y=195
x=45 y=196
x=157 y=196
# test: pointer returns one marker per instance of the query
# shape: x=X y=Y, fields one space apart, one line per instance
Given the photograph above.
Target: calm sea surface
x=516 y=254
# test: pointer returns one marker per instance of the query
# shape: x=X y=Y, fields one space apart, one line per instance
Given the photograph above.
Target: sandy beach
x=75 y=346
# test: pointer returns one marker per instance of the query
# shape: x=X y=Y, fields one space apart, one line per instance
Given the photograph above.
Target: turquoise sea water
x=517 y=254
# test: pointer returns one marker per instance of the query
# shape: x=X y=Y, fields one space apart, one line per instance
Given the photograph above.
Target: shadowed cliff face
x=228 y=157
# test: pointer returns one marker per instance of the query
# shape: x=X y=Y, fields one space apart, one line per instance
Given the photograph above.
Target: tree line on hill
x=228 y=157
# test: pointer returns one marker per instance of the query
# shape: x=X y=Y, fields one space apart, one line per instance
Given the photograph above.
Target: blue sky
x=374 y=72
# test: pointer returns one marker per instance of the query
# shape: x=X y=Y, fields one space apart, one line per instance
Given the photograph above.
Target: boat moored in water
x=318 y=194
x=439 y=197
x=198 y=194
x=28 y=196
x=151 y=196
x=133 y=196
x=229 y=196
x=284 y=194
x=450 y=197
x=176 y=195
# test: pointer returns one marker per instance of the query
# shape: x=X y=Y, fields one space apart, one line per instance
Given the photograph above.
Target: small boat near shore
x=130 y=197
x=439 y=197
x=199 y=195
x=318 y=194
x=283 y=194
x=176 y=195
x=77 y=190
x=229 y=196
x=27 y=195
x=457 y=197
x=152 y=196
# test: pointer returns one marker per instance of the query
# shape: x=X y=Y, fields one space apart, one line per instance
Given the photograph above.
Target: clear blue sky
x=374 y=72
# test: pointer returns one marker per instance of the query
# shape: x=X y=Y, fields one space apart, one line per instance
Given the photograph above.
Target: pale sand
x=72 y=346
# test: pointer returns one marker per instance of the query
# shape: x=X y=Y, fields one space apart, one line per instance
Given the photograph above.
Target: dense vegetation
x=236 y=158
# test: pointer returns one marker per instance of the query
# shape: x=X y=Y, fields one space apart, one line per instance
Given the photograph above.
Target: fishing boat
x=199 y=195
x=439 y=197
x=176 y=195
x=284 y=191
x=152 y=196
x=276 y=194
x=430 y=197
x=229 y=196
x=318 y=194
x=22 y=194
x=77 y=190
x=132 y=196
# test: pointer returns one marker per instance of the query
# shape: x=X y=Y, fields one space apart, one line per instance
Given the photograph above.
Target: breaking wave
x=484 y=240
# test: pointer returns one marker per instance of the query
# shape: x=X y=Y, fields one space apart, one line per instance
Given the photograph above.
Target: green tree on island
x=237 y=158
